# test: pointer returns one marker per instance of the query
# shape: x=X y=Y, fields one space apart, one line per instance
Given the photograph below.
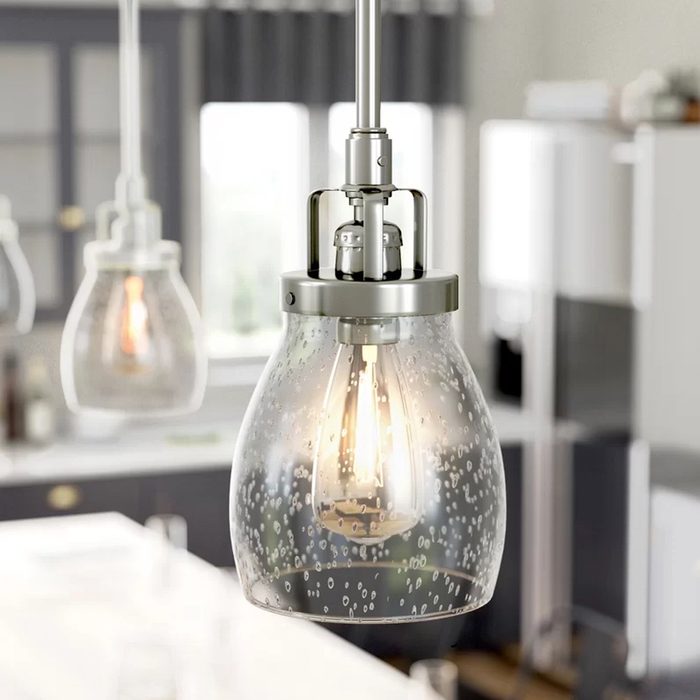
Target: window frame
x=448 y=215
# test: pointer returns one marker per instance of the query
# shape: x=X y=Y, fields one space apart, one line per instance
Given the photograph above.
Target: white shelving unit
x=555 y=222
x=663 y=574
x=588 y=213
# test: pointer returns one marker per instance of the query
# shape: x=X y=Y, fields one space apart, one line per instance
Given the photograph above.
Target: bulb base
x=368 y=331
x=349 y=244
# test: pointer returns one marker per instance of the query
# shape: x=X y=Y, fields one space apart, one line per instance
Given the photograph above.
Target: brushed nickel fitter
x=368 y=281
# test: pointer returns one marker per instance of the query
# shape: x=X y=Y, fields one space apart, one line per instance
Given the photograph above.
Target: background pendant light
x=17 y=297
x=367 y=482
x=132 y=342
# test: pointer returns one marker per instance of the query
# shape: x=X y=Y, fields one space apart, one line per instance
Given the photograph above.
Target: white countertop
x=159 y=449
x=134 y=451
x=88 y=602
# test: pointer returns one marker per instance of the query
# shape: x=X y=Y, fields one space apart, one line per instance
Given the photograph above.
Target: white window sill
x=235 y=372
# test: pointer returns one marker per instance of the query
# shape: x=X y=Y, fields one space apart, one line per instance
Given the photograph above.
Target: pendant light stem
x=368 y=148
x=368 y=54
x=131 y=183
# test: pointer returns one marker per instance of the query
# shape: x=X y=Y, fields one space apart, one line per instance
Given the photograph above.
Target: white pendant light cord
x=132 y=220
x=131 y=185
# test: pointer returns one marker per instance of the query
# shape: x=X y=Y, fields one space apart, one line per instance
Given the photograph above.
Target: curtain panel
x=256 y=52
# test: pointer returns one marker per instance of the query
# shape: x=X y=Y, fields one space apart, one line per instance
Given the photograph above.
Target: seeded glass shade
x=368 y=481
x=132 y=342
x=17 y=295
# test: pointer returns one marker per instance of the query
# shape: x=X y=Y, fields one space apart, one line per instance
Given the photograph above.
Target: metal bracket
x=420 y=229
x=313 y=249
x=373 y=224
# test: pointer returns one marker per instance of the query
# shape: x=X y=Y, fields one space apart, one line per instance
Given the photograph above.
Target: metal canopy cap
x=434 y=292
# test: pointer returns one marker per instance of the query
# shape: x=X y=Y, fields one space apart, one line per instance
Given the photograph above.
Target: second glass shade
x=368 y=481
x=17 y=294
x=132 y=341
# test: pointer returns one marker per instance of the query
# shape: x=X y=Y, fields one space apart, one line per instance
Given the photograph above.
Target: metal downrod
x=368 y=55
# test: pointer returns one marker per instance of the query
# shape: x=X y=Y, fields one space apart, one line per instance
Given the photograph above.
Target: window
x=254 y=188
x=256 y=164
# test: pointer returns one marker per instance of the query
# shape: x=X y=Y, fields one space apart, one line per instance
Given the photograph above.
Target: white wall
x=617 y=39
x=505 y=53
x=525 y=40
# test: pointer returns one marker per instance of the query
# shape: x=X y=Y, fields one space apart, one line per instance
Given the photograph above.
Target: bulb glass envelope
x=132 y=342
x=17 y=295
x=368 y=543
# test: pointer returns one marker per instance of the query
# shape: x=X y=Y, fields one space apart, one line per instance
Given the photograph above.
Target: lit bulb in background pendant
x=134 y=330
x=132 y=342
x=127 y=342
x=366 y=480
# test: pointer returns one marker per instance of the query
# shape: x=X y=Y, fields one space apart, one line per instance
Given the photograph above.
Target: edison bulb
x=132 y=341
x=127 y=343
x=135 y=343
x=365 y=474
x=17 y=295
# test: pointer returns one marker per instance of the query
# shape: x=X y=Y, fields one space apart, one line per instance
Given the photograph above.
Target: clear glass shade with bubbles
x=132 y=342
x=17 y=295
x=368 y=481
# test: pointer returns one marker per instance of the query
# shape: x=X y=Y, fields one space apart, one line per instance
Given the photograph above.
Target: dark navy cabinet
x=200 y=496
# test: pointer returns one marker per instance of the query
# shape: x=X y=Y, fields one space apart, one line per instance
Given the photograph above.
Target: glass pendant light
x=367 y=481
x=132 y=342
x=17 y=297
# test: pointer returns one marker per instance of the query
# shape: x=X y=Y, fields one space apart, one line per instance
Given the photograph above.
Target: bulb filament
x=134 y=321
x=362 y=455
x=366 y=481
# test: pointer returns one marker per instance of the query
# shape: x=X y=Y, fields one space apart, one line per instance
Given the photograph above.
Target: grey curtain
x=308 y=56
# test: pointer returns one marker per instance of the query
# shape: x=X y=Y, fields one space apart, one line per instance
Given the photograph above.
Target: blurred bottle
x=661 y=97
x=652 y=97
x=39 y=409
x=438 y=677
x=13 y=399
x=171 y=528
x=685 y=83
x=172 y=533
x=692 y=111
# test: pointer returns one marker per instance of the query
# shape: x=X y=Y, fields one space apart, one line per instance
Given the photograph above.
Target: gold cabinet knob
x=71 y=218
x=64 y=497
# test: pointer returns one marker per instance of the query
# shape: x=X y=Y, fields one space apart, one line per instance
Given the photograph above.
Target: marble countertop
x=96 y=606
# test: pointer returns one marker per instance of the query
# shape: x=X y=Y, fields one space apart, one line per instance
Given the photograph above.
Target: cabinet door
x=30 y=159
x=72 y=498
x=200 y=497
x=59 y=132
x=599 y=535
